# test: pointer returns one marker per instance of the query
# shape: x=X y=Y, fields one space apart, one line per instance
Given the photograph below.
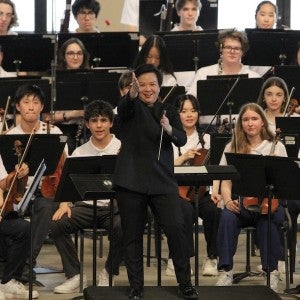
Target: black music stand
x=211 y=92
x=47 y=147
x=169 y=94
x=74 y=86
x=202 y=50
x=197 y=176
x=270 y=47
x=267 y=176
x=125 y=47
x=291 y=75
x=27 y=52
x=88 y=178
x=290 y=132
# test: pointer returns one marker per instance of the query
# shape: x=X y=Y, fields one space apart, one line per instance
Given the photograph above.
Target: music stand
x=88 y=178
x=270 y=47
x=170 y=93
x=202 y=49
x=290 y=132
x=27 y=52
x=125 y=47
x=47 y=147
x=291 y=75
x=21 y=208
x=73 y=87
x=211 y=92
x=267 y=176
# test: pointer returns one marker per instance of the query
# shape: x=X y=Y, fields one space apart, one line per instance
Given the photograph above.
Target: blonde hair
x=242 y=144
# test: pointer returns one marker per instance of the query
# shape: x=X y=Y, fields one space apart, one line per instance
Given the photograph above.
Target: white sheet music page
x=190 y=170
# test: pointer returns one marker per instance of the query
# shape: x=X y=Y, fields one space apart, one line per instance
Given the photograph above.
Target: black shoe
x=135 y=294
x=295 y=290
x=187 y=291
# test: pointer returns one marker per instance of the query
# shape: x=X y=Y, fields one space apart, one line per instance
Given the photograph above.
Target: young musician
x=273 y=99
x=265 y=15
x=233 y=44
x=15 y=242
x=144 y=175
x=188 y=12
x=85 y=13
x=29 y=102
x=252 y=136
x=154 y=52
x=209 y=205
x=8 y=17
x=69 y=219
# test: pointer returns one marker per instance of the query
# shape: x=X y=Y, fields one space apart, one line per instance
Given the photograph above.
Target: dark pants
x=210 y=214
x=167 y=210
x=83 y=217
x=41 y=219
x=15 y=237
x=229 y=229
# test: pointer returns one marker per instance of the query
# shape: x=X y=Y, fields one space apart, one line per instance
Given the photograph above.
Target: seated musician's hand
x=1 y=197
x=22 y=171
x=64 y=208
x=233 y=205
x=190 y=154
x=216 y=198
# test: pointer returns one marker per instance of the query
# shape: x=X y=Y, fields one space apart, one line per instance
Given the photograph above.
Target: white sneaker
x=2 y=295
x=281 y=267
x=210 y=267
x=170 y=271
x=104 y=278
x=225 y=278
x=15 y=289
x=170 y=268
x=259 y=269
x=274 y=280
x=71 y=285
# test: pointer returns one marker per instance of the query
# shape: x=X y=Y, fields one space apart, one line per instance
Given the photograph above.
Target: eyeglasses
x=73 y=54
x=232 y=49
x=83 y=13
x=6 y=15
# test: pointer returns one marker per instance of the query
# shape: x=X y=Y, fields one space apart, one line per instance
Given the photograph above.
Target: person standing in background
x=188 y=12
x=265 y=15
x=85 y=13
x=8 y=17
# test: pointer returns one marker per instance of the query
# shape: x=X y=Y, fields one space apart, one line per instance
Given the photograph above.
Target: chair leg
x=81 y=235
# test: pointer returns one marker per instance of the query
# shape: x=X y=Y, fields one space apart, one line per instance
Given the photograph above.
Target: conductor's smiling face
x=149 y=88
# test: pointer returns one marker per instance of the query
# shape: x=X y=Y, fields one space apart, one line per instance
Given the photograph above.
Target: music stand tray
x=47 y=147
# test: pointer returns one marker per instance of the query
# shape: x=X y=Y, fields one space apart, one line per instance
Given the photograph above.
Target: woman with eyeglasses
x=8 y=17
x=232 y=45
x=73 y=55
x=85 y=13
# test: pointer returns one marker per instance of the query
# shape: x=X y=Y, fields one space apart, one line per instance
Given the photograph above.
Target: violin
x=189 y=193
x=14 y=185
x=259 y=204
x=292 y=107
